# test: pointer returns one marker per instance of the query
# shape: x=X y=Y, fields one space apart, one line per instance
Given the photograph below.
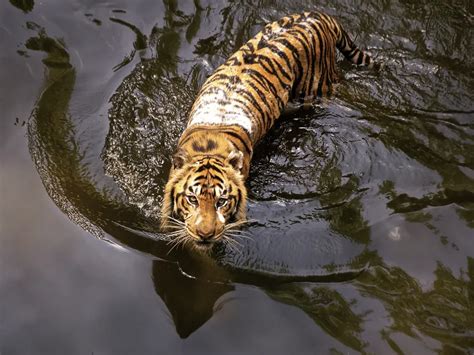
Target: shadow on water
x=327 y=186
x=24 y=5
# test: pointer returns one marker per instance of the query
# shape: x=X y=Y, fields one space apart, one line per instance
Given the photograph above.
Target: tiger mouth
x=200 y=242
x=205 y=243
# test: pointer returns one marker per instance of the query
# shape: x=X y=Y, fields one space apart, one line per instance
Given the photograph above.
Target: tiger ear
x=180 y=158
x=236 y=159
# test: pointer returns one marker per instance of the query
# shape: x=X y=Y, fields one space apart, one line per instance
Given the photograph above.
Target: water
x=364 y=204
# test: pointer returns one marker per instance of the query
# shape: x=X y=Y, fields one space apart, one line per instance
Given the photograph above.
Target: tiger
x=293 y=58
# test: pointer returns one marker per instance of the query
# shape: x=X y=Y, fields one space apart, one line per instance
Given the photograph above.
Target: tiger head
x=205 y=197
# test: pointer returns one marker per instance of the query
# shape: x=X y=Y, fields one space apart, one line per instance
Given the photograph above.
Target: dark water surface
x=364 y=240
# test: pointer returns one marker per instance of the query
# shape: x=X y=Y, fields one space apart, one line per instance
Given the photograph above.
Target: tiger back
x=293 y=58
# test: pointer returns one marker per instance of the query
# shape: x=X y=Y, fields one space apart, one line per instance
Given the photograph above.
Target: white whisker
x=179 y=241
x=231 y=243
x=174 y=226
x=237 y=232
x=239 y=223
x=175 y=233
x=240 y=236
x=171 y=219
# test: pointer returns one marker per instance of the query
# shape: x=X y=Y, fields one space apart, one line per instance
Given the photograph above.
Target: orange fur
x=293 y=58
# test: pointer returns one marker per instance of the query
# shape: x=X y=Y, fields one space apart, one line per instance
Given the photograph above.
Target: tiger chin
x=293 y=58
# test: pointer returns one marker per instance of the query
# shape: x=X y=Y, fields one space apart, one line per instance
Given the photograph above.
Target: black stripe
x=299 y=18
x=263 y=99
x=239 y=200
x=243 y=105
x=197 y=147
x=252 y=99
x=216 y=177
x=185 y=140
x=351 y=54
x=230 y=78
x=215 y=169
x=254 y=102
x=263 y=80
x=312 y=70
x=281 y=22
x=296 y=60
x=293 y=50
x=203 y=167
x=262 y=42
x=217 y=90
x=217 y=162
x=282 y=54
x=312 y=47
x=236 y=136
x=260 y=94
x=329 y=56
x=233 y=61
x=321 y=57
x=273 y=71
x=324 y=72
x=309 y=57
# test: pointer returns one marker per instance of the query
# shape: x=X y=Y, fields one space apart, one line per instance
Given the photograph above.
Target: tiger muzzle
x=206 y=232
x=206 y=225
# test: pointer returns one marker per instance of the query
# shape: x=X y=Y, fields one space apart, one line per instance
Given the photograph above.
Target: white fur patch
x=218 y=191
x=198 y=220
x=221 y=217
x=215 y=108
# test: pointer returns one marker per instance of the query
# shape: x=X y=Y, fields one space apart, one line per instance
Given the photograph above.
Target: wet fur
x=293 y=58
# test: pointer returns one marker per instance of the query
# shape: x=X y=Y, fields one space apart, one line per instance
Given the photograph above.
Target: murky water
x=364 y=240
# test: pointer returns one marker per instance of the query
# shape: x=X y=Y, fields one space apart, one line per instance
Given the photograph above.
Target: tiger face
x=204 y=199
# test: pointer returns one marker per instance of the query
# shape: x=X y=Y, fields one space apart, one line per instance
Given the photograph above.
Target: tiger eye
x=221 y=202
x=192 y=199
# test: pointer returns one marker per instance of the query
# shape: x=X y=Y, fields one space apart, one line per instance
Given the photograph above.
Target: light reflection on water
x=377 y=179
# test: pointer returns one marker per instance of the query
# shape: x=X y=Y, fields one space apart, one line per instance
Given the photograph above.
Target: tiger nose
x=205 y=232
